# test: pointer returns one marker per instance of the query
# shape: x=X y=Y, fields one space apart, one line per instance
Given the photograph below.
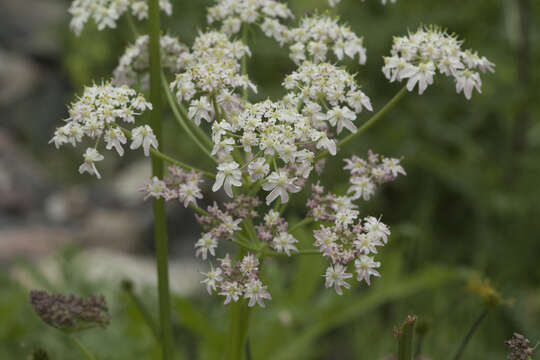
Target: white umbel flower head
x=417 y=57
x=101 y=112
x=135 y=62
x=106 y=13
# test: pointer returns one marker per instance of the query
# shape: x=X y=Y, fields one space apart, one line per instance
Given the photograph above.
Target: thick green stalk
x=390 y=104
x=160 y=225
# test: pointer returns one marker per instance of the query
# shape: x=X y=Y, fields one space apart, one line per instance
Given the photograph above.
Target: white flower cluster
x=97 y=114
x=333 y=3
x=212 y=72
x=232 y=13
x=238 y=280
x=328 y=94
x=277 y=141
x=416 y=57
x=135 y=61
x=179 y=184
x=349 y=238
x=366 y=175
x=107 y=12
x=318 y=35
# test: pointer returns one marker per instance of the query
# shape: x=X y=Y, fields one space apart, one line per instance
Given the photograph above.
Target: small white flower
x=325 y=143
x=361 y=187
x=231 y=290
x=376 y=229
x=156 y=188
x=365 y=268
x=342 y=117
x=258 y=169
x=466 y=81
x=143 y=135
x=279 y=184
x=139 y=103
x=228 y=176
x=325 y=239
x=256 y=293
x=207 y=244
x=213 y=278
x=249 y=265
x=60 y=137
x=335 y=276
x=358 y=100
x=90 y=157
x=366 y=244
x=393 y=167
x=115 y=138
x=423 y=75
x=200 y=109
x=284 y=242
x=271 y=218
x=189 y=193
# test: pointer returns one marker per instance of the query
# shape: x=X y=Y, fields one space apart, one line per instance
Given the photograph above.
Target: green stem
x=296 y=226
x=87 y=355
x=198 y=209
x=245 y=28
x=144 y=313
x=238 y=324
x=470 y=333
x=160 y=224
x=244 y=244
x=161 y=156
x=299 y=253
x=180 y=119
x=131 y=24
x=390 y=104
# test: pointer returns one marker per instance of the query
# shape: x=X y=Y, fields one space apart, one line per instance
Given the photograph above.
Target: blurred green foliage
x=469 y=201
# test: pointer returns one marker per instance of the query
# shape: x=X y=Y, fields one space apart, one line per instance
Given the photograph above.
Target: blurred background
x=469 y=204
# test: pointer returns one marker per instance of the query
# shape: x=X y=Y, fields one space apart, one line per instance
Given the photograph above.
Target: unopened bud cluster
x=69 y=312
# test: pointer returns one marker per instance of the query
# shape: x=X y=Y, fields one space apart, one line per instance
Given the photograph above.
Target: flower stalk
x=160 y=225
x=470 y=333
x=86 y=354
